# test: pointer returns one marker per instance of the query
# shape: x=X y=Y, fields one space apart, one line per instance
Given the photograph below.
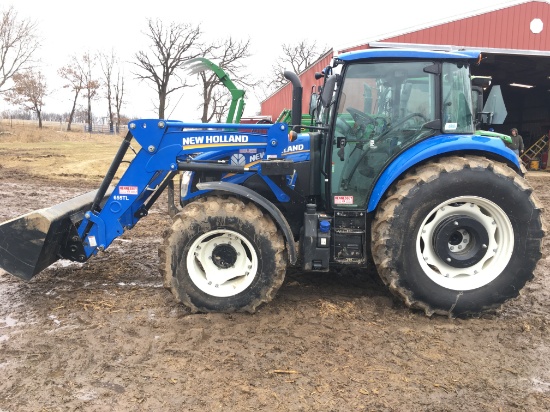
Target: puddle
x=8 y=322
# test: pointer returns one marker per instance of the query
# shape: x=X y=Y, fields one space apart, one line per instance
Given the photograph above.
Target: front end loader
x=81 y=227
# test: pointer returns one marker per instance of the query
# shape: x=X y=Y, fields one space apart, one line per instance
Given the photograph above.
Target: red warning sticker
x=343 y=200
x=128 y=190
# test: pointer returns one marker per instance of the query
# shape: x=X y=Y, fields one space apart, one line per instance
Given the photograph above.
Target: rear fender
x=436 y=147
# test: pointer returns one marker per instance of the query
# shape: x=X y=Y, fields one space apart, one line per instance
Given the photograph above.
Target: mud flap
x=32 y=242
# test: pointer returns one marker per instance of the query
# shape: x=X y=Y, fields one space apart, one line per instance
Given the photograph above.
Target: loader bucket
x=32 y=242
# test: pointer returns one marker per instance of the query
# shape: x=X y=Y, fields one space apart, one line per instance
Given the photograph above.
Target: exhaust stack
x=296 y=113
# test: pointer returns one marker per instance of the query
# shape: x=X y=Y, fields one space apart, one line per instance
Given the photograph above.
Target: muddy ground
x=107 y=336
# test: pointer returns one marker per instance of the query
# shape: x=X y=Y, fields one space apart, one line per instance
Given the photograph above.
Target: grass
x=55 y=154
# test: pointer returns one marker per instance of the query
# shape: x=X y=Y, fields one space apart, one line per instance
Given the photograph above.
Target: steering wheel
x=342 y=126
x=359 y=117
x=404 y=119
x=346 y=181
x=362 y=119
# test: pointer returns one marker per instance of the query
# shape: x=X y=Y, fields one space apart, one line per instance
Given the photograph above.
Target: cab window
x=381 y=110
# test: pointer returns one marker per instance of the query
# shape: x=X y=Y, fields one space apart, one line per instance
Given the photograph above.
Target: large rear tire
x=458 y=237
x=223 y=255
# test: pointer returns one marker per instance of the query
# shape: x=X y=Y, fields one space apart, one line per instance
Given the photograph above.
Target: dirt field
x=107 y=336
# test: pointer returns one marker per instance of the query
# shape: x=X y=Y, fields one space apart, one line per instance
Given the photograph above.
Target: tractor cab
x=381 y=103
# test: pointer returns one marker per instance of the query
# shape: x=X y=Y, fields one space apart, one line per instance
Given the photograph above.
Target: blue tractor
x=390 y=172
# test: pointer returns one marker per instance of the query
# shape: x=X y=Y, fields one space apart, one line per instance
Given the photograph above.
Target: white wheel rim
x=495 y=255
x=213 y=278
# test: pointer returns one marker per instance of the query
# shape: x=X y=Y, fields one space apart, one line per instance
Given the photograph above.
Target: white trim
x=443 y=47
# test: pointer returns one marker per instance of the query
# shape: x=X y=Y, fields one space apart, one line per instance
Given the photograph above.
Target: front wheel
x=458 y=237
x=223 y=255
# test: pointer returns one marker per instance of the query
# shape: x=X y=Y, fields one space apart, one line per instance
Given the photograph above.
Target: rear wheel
x=223 y=255
x=458 y=237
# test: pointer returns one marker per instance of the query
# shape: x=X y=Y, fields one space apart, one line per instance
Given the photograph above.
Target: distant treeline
x=80 y=116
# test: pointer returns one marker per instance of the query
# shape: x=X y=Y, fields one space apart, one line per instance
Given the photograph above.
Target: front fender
x=435 y=147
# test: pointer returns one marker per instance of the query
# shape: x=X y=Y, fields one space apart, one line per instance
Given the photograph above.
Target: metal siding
x=483 y=31
x=539 y=10
x=501 y=29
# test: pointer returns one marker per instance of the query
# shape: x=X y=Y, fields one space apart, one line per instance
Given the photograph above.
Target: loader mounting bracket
x=74 y=248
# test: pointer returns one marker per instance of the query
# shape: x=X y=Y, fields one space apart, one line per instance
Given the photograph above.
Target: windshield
x=383 y=108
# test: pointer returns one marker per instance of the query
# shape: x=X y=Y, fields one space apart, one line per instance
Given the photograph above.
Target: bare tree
x=91 y=85
x=296 y=57
x=119 y=97
x=18 y=42
x=229 y=55
x=219 y=104
x=80 y=78
x=74 y=81
x=107 y=64
x=113 y=80
x=28 y=91
x=170 y=47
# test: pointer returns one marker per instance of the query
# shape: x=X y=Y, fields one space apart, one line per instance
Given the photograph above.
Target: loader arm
x=166 y=147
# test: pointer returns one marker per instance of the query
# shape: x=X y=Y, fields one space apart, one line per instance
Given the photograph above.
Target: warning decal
x=343 y=200
x=128 y=190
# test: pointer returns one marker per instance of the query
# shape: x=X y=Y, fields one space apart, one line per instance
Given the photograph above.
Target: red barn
x=515 y=41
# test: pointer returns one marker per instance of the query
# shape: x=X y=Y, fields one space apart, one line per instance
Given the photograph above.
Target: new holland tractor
x=390 y=171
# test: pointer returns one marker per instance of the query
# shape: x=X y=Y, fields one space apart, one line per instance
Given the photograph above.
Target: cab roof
x=408 y=54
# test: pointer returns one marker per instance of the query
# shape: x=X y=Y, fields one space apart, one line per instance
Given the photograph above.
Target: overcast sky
x=69 y=27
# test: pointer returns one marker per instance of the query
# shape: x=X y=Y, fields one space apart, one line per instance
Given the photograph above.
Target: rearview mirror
x=313 y=101
x=328 y=90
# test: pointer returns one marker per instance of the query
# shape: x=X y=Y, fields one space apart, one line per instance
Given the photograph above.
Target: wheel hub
x=460 y=241
x=224 y=256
